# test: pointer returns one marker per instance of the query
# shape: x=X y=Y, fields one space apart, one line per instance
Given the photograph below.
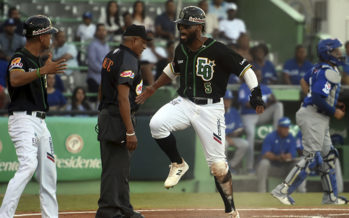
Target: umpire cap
x=191 y=15
x=37 y=25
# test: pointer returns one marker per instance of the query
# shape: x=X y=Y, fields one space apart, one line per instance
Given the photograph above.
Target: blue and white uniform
x=296 y=72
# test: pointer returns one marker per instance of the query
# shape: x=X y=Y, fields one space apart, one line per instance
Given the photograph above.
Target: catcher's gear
x=191 y=15
x=340 y=105
x=38 y=25
x=324 y=49
x=256 y=98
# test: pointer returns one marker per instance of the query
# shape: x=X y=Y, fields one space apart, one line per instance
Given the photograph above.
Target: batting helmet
x=191 y=15
x=324 y=49
x=38 y=25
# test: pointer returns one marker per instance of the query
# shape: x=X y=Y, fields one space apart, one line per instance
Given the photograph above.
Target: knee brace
x=301 y=171
x=328 y=174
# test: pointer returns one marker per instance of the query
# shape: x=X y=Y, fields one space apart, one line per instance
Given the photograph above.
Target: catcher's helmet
x=324 y=49
x=38 y=25
x=191 y=15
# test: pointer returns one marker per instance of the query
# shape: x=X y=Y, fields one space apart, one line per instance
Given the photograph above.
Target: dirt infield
x=218 y=213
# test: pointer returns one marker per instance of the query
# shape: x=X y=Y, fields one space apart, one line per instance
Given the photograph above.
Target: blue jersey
x=244 y=97
x=268 y=71
x=299 y=143
x=319 y=85
x=275 y=144
x=232 y=121
x=346 y=65
x=295 y=71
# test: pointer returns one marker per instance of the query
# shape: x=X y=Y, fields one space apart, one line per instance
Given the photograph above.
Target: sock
x=168 y=145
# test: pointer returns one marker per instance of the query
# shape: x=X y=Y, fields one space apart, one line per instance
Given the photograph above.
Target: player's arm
x=18 y=77
x=304 y=86
x=256 y=93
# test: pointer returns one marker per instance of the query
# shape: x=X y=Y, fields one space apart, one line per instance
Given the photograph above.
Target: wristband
x=38 y=72
x=131 y=134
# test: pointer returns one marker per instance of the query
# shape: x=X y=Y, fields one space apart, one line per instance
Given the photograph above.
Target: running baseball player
x=313 y=118
x=204 y=66
x=26 y=124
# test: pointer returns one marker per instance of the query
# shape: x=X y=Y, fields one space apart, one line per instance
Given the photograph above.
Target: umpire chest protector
x=204 y=73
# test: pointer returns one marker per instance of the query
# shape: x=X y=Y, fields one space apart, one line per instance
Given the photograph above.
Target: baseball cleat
x=283 y=198
x=339 y=200
x=175 y=174
x=234 y=214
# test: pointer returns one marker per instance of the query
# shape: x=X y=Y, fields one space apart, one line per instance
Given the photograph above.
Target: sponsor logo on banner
x=128 y=73
x=16 y=63
x=74 y=143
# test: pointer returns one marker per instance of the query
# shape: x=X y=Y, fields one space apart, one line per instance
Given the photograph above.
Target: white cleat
x=283 y=198
x=175 y=174
x=234 y=214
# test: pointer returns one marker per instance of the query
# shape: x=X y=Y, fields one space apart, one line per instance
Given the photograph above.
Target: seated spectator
x=278 y=154
x=233 y=132
x=139 y=17
x=218 y=8
x=97 y=50
x=55 y=98
x=79 y=101
x=87 y=29
x=164 y=23
x=211 y=21
x=150 y=56
x=295 y=68
x=274 y=110
x=345 y=77
x=110 y=17
x=10 y=41
x=128 y=20
x=3 y=69
x=13 y=13
x=231 y=27
x=263 y=65
x=162 y=63
x=243 y=47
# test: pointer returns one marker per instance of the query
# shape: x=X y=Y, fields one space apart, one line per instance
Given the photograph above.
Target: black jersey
x=31 y=96
x=205 y=73
x=120 y=66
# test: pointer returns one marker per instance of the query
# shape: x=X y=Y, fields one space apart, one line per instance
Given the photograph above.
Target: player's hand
x=256 y=100
x=341 y=106
x=131 y=142
x=149 y=91
x=53 y=67
x=339 y=114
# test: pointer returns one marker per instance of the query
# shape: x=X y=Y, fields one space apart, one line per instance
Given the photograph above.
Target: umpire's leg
x=114 y=198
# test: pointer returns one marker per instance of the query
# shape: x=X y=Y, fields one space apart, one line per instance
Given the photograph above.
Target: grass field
x=30 y=203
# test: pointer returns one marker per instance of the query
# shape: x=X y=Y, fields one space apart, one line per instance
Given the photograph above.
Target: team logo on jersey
x=327 y=88
x=205 y=68
x=128 y=73
x=139 y=88
x=16 y=63
x=74 y=143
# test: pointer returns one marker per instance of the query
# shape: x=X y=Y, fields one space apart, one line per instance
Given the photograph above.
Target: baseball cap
x=9 y=22
x=87 y=14
x=284 y=122
x=231 y=6
x=137 y=30
x=228 y=95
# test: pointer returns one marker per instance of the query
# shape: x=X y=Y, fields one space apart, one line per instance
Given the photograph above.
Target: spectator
x=234 y=130
x=9 y=40
x=87 y=29
x=346 y=65
x=274 y=110
x=295 y=68
x=218 y=8
x=211 y=21
x=150 y=56
x=139 y=17
x=128 y=20
x=262 y=64
x=79 y=101
x=162 y=63
x=95 y=55
x=164 y=25
x=243 y=47
x=13 y=13
x=111 y=19
x=231 y=27
x=55 y=99
x=3 y=69
x=278 y=154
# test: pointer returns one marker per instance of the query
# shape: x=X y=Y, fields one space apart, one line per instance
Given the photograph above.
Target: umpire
x=26 y=78
x=121 y=83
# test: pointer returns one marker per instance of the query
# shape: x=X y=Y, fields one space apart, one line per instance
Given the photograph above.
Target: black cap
x=191 y=15
x=38 y=25
x=9 y=22
x=137 y=30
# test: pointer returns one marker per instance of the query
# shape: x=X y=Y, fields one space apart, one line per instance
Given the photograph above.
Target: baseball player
x=26 y=125
x=313 y=119
x=204 y=66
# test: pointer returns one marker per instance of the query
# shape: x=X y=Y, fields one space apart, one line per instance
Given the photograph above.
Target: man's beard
x=190 y=39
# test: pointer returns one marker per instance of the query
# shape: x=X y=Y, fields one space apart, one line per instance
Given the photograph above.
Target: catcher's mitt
x=256 y=98
x=341 y=106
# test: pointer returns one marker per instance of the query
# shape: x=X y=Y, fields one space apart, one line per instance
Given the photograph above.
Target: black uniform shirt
x=120 y=66
x=205 y=73
x=31 y=96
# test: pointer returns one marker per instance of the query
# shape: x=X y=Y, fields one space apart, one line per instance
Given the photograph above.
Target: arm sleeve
x=250 y=78
x=266 y=147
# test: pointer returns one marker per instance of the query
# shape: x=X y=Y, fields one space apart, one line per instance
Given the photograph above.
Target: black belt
x=37 y=114
x=202 y=101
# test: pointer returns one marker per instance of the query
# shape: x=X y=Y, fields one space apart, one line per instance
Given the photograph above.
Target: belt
x=37 y=114
x=202 y=101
